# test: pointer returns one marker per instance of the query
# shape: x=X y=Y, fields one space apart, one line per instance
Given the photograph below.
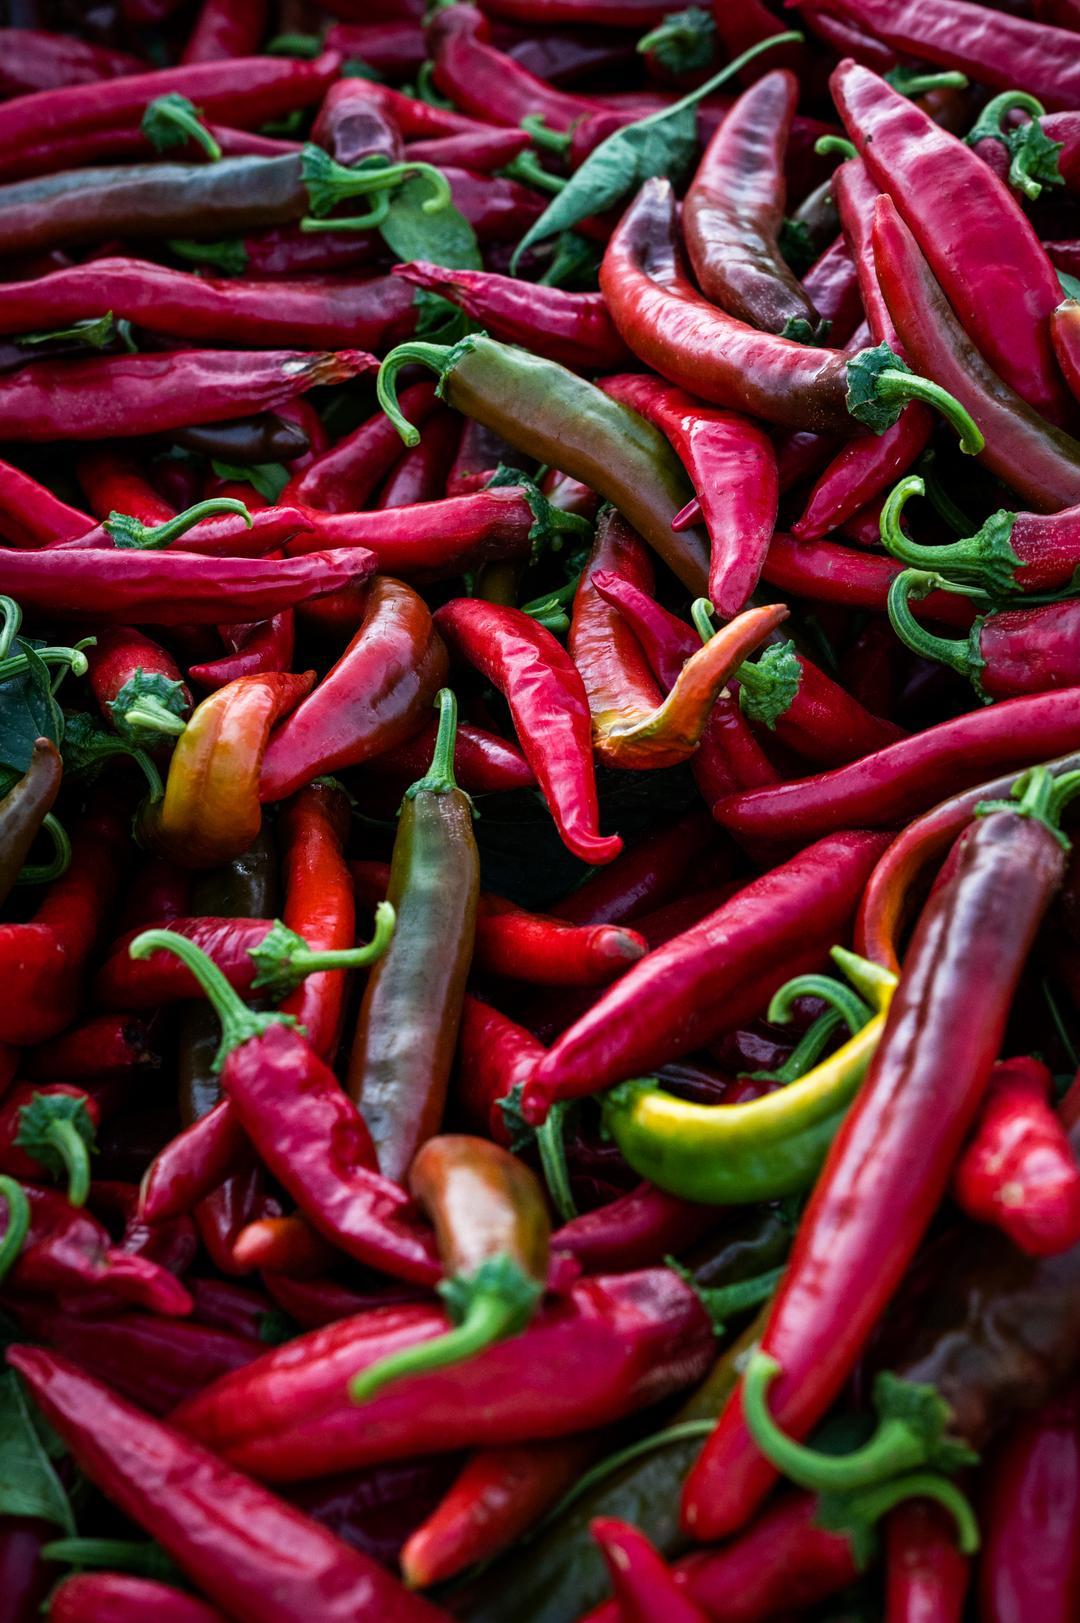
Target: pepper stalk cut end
x=880 y=385
x=239 y=1024
x=494 y=1302
x=57 y=1129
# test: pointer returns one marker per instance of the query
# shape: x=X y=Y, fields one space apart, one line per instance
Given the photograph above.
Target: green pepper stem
x=547 y=140
x=990 y=124
x=893 y=385
x=911 y=83
x=73 y=658
x=877 y=1501
x=329 y=183
x=284 y=958
x=128 y=1555
x=10 y=622
x=489 y=1318
x=18 y=1223
x=433 y=356
x=825 y=145
x=701 y=613
x=308 y=961
x=986 y=557
x=439 y=778
x=72 y=1149
x=527 y=168
x=129 y=532
x=807 y=1051
x=1037 y=793
x=171 y=120
x=846 y=1003
x=894 y=1447
x=729 y=71
x=239 y=1024
x=42 y=873
x=722 y=1302
x=552 y=1150
x=151 y=715
x=960 y=654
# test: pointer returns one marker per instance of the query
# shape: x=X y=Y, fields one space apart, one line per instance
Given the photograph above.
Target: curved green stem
x=840 y=998
x=701 y=613
x=894 y=1448
x=42 y=873
x=910 y=82
x=72 y=1149
x=9 y=625
x=825 y=145
x=284 y=958
x=328 y=183
x=155 y=718
x=17 y=1227
x=435 y=357
x=239 y=1024
x=769 y=685
x=552 y=1150
x=439 y=778
x=894 y=385
x=722 y=1302
x=876 y=1502
x=729 y=71
x=807 y=1051
x=527 y=168
x=130 y=532
x=489 y=1318
x=73 y=658
x=960 y=654
x=540 y=136
x=172 y=120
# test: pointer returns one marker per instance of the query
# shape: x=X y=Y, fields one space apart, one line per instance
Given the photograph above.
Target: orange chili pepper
x=211 y=812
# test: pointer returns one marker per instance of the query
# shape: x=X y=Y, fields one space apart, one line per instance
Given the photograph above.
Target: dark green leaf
x=268 y=478
x=445 y=236
x=28 y=1484
x=28 y=711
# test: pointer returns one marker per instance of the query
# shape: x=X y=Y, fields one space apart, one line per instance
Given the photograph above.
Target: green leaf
x=28 y=711
x=95 y=332
x=444 y=237
x=438 y=321
x=28 y=1484
x=268 y=478
x=1069 y=285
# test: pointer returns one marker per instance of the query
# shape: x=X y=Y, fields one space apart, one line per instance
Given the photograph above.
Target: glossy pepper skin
x=375 y=695
x=341 y=479
x=926 y=1577
x=907 y=777
x=31 y=516
x=1065 y=332
x=633 y=1338
x=1039 y=461
x=1030 y=1566
x=319 y=905
x=732 y=465
x=549 y=413
x=211 y=811
x=978 y=241
x=645 y=1586
x=487 y=84
x=549 y=707
x=1018 y=1171
x=24 y=808
x=407 y=1028
x=666 y=322
x=117 y=1597
x=491 y=1228
x=244 y=1547
x=704 y=981
x=130 y=672
x=734 y=209
x=941 y=1038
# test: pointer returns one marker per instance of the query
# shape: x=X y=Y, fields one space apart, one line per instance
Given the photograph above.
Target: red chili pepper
x=826 y=572
x=893 y=784
x=115 y=481
x=734 y=209
x=1029 y=1565
x=101 y=1045
x=342 y=478
x=1019 y=1171
x=262 y=646
x=636 y=1230
x=537 y=15
x=249 y=90
x=900 y=1138
x=225 y=29
x=632 y=1338
x=549 y=707
x=1014 y=52
x=116 y=1597
x=219 y=526
x=373 y=696
x=37 y=60
x=49 y=1128
x=926 y=1575
x=483 y=152
x=420 y=476
x=305 y=1129
x=145 y=394
x=393 y=49
x=671 y=327
x=711 y=977
x=1037 y=459
x=488 y=84
x=832 y=283
x=156 y=1362
x=1065 y=332
x=500 y=1494
x=645 y=1586
x=647 y=874
x=495 y=1056
x=137 y=685
x=42 y=961
x=319 y=906
x=732 y=466
x=316 y=313
x=484 y=763
x=263 y=1560
x=572 y=328
x=31 y=516
x=67 y=1251
x=1007 y=652
x=193 y=1164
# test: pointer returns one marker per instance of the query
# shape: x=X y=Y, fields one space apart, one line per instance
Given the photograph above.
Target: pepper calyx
x=283 y=958
x=149 y=704
x=986 y=557
x=880 y=385
x=768 y=685
x=57 y=1129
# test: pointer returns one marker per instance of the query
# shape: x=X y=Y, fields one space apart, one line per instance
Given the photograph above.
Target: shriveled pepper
x=407 y=1028
x=24 y=809
x=211 y=810
x=491 y=1228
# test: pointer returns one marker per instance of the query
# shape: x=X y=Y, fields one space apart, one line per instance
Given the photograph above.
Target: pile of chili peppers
x=539 y=811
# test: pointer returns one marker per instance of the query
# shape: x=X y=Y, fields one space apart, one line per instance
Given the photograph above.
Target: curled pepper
x=491 y=1228
x=211 y=811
